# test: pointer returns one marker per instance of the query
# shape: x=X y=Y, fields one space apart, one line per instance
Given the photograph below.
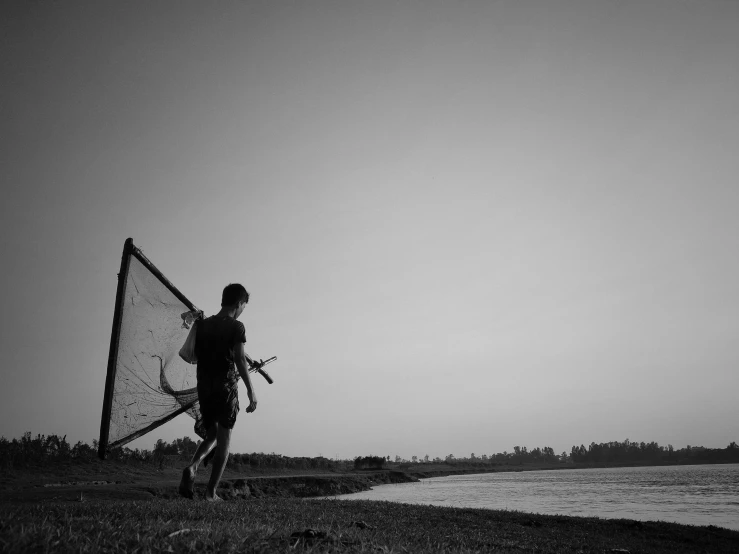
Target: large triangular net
x=151 y=383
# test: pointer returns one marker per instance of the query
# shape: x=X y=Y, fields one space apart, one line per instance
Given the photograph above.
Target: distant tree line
x=520 y=455
x=31 y=452
x=278 y=461
x=626 y=452
x=640 y=452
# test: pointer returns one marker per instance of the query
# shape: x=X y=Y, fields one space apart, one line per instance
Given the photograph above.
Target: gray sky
x=465 y=225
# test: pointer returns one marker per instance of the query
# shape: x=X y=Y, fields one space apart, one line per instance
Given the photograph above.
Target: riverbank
x=295 y=486
x=116 y=480
x=122 y=508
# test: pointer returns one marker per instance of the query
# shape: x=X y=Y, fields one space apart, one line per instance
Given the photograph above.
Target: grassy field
x=110 y=507
x=297 y=525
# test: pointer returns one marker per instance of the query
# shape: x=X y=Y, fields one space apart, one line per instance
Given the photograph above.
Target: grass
x=295 y=525
x=141 y=514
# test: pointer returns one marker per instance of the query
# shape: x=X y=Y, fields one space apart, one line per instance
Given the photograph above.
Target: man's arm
x=241 y=360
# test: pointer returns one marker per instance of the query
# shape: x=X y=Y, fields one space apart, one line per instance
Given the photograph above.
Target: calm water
x=697 y=495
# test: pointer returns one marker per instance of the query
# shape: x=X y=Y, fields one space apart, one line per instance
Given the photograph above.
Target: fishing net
x=148 y=383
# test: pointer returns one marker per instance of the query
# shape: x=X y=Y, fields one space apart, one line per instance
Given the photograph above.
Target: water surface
x=696 y=495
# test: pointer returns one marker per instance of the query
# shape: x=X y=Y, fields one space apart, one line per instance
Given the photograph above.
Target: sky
x=465 y=226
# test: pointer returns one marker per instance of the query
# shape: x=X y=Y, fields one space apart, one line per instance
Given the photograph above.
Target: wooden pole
x=113 y=352
x=159 y=275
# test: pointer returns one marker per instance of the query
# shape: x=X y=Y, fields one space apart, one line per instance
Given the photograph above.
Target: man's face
x=240 y=309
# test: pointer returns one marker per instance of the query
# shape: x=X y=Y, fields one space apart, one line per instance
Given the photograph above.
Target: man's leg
x=211 y=435
x=187 y=484
x=219 y=462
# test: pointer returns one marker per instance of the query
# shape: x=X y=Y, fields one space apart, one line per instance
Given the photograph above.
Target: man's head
x=235 y=295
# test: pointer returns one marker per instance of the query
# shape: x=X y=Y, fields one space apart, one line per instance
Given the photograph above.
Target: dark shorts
x=219 y=402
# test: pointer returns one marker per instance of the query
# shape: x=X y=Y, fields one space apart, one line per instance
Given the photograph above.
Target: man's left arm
x=241 y=359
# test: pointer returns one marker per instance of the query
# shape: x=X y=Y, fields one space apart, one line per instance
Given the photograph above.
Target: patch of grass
x=281 y=525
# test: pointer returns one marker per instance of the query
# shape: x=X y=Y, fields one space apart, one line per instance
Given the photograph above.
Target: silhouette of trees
x=30 y=452
x=614 y=452
x=369 y=462
x=651 y=453
x=259 y=461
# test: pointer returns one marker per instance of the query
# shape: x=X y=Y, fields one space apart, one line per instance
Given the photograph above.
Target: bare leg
x=187 y=484
x=219 y=462
x=211 y=436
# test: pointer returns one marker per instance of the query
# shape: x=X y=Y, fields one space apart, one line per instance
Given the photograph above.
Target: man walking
x=219 y=347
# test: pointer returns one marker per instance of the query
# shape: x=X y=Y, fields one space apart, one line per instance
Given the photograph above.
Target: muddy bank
x=142 y=485
x=332 y=485
x=35 y=487
x=313 y=485
x=299 y=486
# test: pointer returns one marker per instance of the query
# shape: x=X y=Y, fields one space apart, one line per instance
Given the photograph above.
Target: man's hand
x=256 y=364
x=252 y=405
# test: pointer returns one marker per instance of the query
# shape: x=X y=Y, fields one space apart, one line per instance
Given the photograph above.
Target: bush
x=369 y=462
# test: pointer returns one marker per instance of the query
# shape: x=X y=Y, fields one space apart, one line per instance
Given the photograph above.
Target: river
x=695 y=495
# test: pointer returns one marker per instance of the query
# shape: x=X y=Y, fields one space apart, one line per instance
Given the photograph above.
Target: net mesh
x=151 y=382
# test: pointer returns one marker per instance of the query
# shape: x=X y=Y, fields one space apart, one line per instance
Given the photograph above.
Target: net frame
x=129 y=249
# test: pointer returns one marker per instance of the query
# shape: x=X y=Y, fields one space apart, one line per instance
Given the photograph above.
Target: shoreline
x=116 y=480
x=140 y=509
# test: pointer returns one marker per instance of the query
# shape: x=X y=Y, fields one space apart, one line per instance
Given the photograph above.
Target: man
x=219 y=346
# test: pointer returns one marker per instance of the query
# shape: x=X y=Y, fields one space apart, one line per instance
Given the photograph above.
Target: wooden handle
x=265 y=375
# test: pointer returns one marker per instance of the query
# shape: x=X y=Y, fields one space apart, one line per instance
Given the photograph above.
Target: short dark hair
x=233 y=294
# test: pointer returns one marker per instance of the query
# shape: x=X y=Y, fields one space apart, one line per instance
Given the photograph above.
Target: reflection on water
x=697 y=495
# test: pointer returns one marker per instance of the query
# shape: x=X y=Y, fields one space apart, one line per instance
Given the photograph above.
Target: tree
x=369 y=462
x=163 y=447
x=185 y=446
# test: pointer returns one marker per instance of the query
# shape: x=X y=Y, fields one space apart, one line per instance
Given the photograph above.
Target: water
x=695 y=495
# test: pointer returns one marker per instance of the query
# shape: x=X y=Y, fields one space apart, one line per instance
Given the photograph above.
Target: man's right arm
x=241 y=360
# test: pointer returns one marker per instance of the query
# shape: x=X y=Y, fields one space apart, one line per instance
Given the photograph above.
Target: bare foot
x=214 y=498
x=187 y=484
